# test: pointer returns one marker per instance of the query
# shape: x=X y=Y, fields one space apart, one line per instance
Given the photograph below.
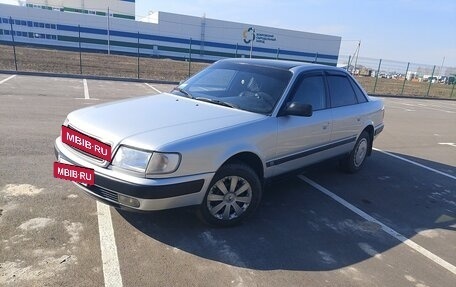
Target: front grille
x=92 y=158
x=86 y=154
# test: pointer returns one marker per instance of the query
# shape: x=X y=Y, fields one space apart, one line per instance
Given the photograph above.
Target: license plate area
x=79 y=174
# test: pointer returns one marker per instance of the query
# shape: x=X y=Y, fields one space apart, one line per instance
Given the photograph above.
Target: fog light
x=130 y=201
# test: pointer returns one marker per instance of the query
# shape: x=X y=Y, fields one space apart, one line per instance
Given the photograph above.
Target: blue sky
x=419 y=31
x=403 y=30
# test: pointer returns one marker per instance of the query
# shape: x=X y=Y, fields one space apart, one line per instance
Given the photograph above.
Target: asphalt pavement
x=391 y=224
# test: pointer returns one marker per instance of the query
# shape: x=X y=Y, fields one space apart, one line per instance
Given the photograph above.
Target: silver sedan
x=216 y=138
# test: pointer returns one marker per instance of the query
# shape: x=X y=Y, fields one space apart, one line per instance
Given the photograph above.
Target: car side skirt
x=310 y=152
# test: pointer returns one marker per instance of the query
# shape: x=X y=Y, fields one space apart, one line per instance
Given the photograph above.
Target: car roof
x=280 y=64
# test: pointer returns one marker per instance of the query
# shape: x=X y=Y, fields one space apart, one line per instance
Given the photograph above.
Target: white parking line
x=86 y=89
x=389 y=106
x=111 y=268
x=450 y=144
x=385 y=228
x=418 y=105
x=153 y=88
x=446 y=106
x=7 y=79
x=415 y=163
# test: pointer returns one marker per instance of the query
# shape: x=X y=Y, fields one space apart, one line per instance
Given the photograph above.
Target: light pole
x=109 y=44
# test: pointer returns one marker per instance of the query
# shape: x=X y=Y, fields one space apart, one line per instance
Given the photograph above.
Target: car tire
x=357 y=157
x=233 y=195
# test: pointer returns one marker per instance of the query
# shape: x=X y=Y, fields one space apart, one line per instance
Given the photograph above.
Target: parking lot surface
x=392 y=224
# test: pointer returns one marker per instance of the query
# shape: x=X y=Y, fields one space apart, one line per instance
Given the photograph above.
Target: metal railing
x=377 y=76
x=386 y=77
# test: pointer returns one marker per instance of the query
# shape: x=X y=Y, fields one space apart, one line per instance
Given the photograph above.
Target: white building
x=117 y=8
x=162 y=35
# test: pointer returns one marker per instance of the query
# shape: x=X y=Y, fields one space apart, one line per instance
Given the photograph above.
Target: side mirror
x=298 y=109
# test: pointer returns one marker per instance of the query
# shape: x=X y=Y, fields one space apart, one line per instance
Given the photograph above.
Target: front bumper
x=152 y=194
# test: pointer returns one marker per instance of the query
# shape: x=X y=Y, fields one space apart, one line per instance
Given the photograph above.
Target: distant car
x=216 y=138
x=443 y=79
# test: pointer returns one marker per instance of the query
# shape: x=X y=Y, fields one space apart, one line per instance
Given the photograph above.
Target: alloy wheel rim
x=229 y=197
x=360 y=153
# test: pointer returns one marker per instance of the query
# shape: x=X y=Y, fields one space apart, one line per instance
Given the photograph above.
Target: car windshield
x=243 y=86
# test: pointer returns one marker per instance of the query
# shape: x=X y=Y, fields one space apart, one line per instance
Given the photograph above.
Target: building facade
x=116 y=8
x=161 y=35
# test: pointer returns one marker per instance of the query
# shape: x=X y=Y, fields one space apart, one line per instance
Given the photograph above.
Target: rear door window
x=341 y=91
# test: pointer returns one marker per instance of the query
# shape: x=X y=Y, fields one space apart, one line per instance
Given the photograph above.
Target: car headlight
x=161 y=163
x=131 y=159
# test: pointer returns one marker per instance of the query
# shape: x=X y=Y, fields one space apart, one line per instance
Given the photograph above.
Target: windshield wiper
x=217 y=102
x=187 y=94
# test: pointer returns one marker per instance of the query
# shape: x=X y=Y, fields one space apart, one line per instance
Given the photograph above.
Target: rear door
x=347 y=116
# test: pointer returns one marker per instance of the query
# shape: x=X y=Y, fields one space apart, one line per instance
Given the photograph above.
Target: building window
x=17 y=22
x=1 y=31
x=5 y=20
x=54 y=37
x=30 y=34
x=29 y=23
x=41 y=25
x=48 y=26
x=52 y=26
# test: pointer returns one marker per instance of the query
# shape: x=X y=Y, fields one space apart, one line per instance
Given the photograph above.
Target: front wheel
x=233 y=194
x=357 y=157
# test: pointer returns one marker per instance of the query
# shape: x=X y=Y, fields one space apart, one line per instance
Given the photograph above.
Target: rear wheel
x=357 y=157
x=233 y=194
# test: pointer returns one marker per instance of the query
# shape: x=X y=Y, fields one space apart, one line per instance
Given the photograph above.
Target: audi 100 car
x=215 y=139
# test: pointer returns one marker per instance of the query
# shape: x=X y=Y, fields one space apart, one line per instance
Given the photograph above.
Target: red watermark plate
x=86 y=143
x=74 y=173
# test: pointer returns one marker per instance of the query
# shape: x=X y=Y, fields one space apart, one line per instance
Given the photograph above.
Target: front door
x=300 y=139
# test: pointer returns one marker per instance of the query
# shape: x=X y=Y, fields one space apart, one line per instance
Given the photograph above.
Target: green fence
x=377 y=76
x=386 y=77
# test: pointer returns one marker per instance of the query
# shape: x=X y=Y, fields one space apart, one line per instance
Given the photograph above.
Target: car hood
x=151 y=122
